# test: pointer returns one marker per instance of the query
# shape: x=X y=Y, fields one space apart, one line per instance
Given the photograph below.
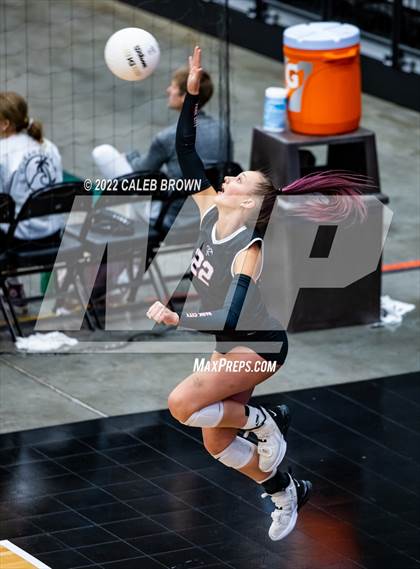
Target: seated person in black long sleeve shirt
x=210 y=144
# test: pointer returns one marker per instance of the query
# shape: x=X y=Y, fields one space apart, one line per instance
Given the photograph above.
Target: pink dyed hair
x=327 y=189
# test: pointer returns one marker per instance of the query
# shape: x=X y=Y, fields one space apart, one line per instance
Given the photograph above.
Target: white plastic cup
x=275 y=109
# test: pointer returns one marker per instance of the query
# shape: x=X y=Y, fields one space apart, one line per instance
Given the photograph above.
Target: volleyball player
x=226 y=267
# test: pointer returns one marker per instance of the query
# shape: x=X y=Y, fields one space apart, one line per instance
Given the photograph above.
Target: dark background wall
x=379 y=79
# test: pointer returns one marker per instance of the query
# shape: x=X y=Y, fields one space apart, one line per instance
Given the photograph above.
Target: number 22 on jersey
x=201 y=268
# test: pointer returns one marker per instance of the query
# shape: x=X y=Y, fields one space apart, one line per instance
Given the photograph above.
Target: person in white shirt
x=28 y=162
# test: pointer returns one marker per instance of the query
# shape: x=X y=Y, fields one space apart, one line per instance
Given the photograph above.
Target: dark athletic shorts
x=258 y=341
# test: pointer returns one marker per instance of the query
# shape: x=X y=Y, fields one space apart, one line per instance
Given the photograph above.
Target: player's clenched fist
x=162 y=315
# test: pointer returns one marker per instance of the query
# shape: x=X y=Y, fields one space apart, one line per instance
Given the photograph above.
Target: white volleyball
x=132 y=54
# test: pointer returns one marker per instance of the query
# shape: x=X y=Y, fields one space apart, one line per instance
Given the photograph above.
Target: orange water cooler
x=322 y=65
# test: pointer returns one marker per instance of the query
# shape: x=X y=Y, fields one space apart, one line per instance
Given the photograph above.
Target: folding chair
x=38 y=255
x=7 y=215
x=100 y=229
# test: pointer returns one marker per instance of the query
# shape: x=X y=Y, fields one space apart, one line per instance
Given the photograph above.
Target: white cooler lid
x=321 y=35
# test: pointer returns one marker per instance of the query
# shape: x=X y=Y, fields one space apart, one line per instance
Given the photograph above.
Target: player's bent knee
x=181 y=409
x=207 y=417
x=177 y=407
x=238 y=454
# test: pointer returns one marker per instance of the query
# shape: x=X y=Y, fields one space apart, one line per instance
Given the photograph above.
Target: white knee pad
x=238 y=454
x=209 y=416
x=110 y=162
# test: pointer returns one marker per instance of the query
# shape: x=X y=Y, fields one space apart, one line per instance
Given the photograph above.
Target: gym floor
x=139 y=492
x=69 y=420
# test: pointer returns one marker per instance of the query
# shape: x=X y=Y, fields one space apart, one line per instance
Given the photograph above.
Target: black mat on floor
x=140 y=492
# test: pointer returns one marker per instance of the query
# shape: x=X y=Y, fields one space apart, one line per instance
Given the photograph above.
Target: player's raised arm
x=191 y=165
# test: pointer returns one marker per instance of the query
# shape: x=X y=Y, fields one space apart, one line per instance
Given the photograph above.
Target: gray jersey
x=162 y=153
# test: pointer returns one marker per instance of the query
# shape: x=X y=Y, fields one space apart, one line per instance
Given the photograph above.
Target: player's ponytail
x=331 y=196
x=14 y=109
x=335 y=196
